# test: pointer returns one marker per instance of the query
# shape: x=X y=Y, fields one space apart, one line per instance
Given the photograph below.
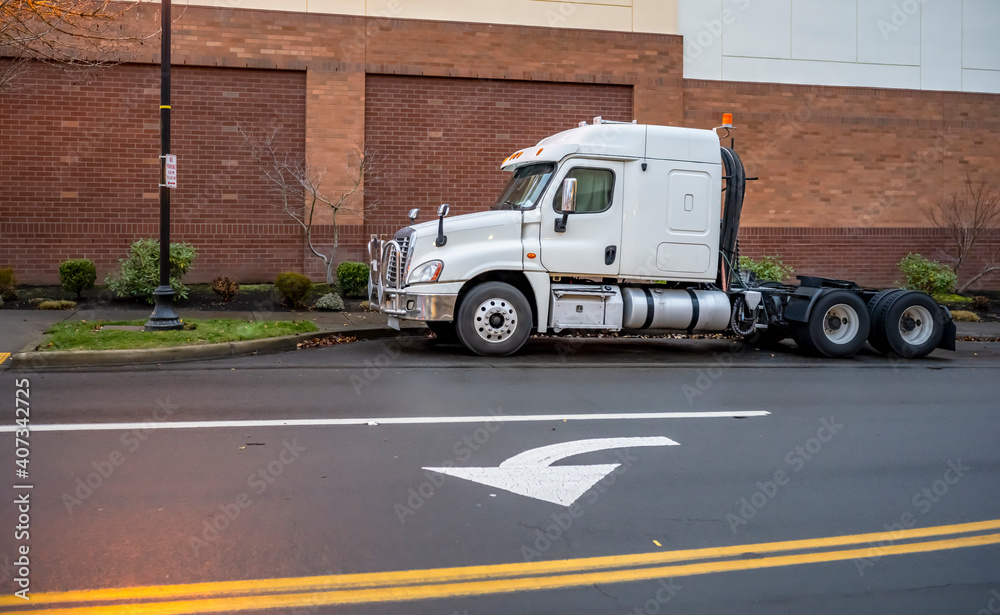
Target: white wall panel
x=825 y=30
x=820 y=73
x=981 y=40
x=889 y=31
x=987 y=81
x=701 y=23
x=758 y=28
x=941 y=47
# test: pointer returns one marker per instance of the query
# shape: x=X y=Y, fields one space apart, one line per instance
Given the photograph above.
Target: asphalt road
x=816 y=450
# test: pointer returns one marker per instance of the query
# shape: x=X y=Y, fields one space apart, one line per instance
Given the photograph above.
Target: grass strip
x=91 y=335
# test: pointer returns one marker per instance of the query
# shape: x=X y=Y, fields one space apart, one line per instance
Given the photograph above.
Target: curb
x=28 y=360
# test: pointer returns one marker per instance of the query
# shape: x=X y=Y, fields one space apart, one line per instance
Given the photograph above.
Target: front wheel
x=494 y=320
x=838 y=325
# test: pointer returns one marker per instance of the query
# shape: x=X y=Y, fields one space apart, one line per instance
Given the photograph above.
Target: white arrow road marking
x=529 y=473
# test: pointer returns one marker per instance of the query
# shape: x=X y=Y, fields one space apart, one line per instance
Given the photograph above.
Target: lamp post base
x=163 y=317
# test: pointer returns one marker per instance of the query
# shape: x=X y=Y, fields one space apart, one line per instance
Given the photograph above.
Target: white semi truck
x=617 y=226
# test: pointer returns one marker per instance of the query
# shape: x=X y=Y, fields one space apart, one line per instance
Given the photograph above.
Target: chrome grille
x=392 y=276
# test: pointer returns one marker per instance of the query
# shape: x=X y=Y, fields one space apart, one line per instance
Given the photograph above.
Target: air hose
x=736 y=181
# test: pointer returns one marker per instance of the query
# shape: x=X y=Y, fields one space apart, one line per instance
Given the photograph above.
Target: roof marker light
x=539 y=152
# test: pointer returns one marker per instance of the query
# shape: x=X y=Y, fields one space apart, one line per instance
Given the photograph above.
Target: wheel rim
x=916 y=325
x=496 y=320
x=841 y=324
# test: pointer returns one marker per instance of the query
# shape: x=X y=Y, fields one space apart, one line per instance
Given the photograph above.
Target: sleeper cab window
x=594 y=189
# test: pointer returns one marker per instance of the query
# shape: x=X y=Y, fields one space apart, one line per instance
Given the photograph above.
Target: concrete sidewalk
x=23 y=331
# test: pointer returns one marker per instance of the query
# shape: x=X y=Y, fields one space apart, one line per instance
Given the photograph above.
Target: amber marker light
x=539 y=152
x=727 y=120
x=532 y=255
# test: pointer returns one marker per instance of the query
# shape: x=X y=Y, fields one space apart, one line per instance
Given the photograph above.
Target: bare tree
x=303 y=195
x=69 y=33
x=968 y=219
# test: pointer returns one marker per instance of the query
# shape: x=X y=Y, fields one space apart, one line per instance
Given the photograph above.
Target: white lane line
x=415 y=420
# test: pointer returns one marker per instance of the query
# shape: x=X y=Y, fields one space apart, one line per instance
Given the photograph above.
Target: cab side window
x=594 y=189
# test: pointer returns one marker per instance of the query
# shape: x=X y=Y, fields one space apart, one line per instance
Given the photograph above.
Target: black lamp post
x=163 y=317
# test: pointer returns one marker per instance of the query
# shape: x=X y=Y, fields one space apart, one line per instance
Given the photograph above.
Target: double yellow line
x=439 y=583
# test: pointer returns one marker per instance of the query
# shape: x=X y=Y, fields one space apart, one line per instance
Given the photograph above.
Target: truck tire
x=443 y=331
x=494 y=320
x=876 y=335
x=910 y=324
x=838 y=326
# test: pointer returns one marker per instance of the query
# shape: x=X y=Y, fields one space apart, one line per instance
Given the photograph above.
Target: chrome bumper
x=408 y=306
x=391 y=298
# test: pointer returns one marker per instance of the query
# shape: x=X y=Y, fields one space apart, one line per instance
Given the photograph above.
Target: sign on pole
x=170 y=170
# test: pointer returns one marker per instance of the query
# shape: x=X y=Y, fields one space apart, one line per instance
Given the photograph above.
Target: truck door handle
x=609 y=254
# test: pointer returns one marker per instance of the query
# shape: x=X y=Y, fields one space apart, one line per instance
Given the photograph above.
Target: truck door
x=591 y=243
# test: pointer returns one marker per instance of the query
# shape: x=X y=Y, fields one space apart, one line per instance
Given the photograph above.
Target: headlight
x=428 y=272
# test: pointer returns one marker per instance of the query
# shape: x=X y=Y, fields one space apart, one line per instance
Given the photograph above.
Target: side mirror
x=413 y=215
x=442 y=212
x=568 y=205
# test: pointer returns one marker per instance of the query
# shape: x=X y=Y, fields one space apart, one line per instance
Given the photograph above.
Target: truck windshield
x=525 y=187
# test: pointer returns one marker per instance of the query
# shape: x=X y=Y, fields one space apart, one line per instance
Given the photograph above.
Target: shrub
x=964 y=316
x=330 y=301
x=139 y=274
x=294 y=287
x=929 y=276
x=226 y=287
x=8 y=284
x=353 y=278
x=767 y=269
x=77 y=275
x=57 y=305
x=980 y=303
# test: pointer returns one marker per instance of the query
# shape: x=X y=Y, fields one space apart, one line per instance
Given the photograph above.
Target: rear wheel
x=494 y=319
x=838 y=325
x=911 y=324
x=876 y=336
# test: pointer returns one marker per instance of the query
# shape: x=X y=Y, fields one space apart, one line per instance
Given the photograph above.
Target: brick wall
x=79 y=163
x=847 y=175
x=846 y=172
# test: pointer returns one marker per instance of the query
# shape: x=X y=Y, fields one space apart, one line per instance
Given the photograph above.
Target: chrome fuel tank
x=683 y=310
